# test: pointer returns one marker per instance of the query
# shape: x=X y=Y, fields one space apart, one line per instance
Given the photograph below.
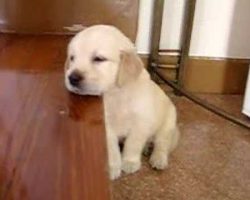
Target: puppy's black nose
x=75 y=78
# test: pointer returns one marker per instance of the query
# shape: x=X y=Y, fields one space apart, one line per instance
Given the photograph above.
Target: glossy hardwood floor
x=52 y=143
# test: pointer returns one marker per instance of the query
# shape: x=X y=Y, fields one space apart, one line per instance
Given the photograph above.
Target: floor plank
x=52 y=143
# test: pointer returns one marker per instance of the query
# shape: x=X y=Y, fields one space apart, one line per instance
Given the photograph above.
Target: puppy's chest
x=119 y=116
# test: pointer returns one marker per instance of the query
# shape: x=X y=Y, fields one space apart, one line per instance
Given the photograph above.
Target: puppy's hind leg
x=165 y=141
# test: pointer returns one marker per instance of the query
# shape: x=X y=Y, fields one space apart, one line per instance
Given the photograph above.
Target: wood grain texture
x=46 y=16
x=52 y=143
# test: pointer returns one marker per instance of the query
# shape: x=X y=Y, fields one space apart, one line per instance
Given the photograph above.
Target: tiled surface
x=211 y=162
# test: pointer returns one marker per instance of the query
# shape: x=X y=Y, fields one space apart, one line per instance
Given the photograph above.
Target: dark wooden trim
x=207 y=74
x=213 y=75
x=162 y=60
x=238 y=60
x=156 y=34
x=186 y=39
x=169 y=51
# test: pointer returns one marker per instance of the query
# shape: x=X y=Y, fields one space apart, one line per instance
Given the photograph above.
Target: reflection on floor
x=211 y=162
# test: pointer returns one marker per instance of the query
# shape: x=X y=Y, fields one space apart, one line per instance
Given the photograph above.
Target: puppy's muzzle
x=75 y=78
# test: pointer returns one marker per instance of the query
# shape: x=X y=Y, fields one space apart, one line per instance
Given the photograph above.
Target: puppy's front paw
x=114 y=171
x=159 y=161
x=130 y=166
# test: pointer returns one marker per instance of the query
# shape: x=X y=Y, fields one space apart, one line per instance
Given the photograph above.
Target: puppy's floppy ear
x=130 y=67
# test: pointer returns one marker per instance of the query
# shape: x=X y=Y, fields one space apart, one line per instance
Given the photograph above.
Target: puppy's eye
x=72 y=58
x=98 y=59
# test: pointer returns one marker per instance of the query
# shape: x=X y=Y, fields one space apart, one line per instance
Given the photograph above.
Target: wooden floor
x=52 y=143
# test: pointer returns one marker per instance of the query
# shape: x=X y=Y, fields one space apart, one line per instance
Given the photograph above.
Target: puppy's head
x=99 y=58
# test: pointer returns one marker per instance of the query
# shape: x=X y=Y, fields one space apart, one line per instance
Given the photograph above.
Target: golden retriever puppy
x=103 y=61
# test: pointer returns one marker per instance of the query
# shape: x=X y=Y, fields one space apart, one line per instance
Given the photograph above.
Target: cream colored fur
x=135 y=107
